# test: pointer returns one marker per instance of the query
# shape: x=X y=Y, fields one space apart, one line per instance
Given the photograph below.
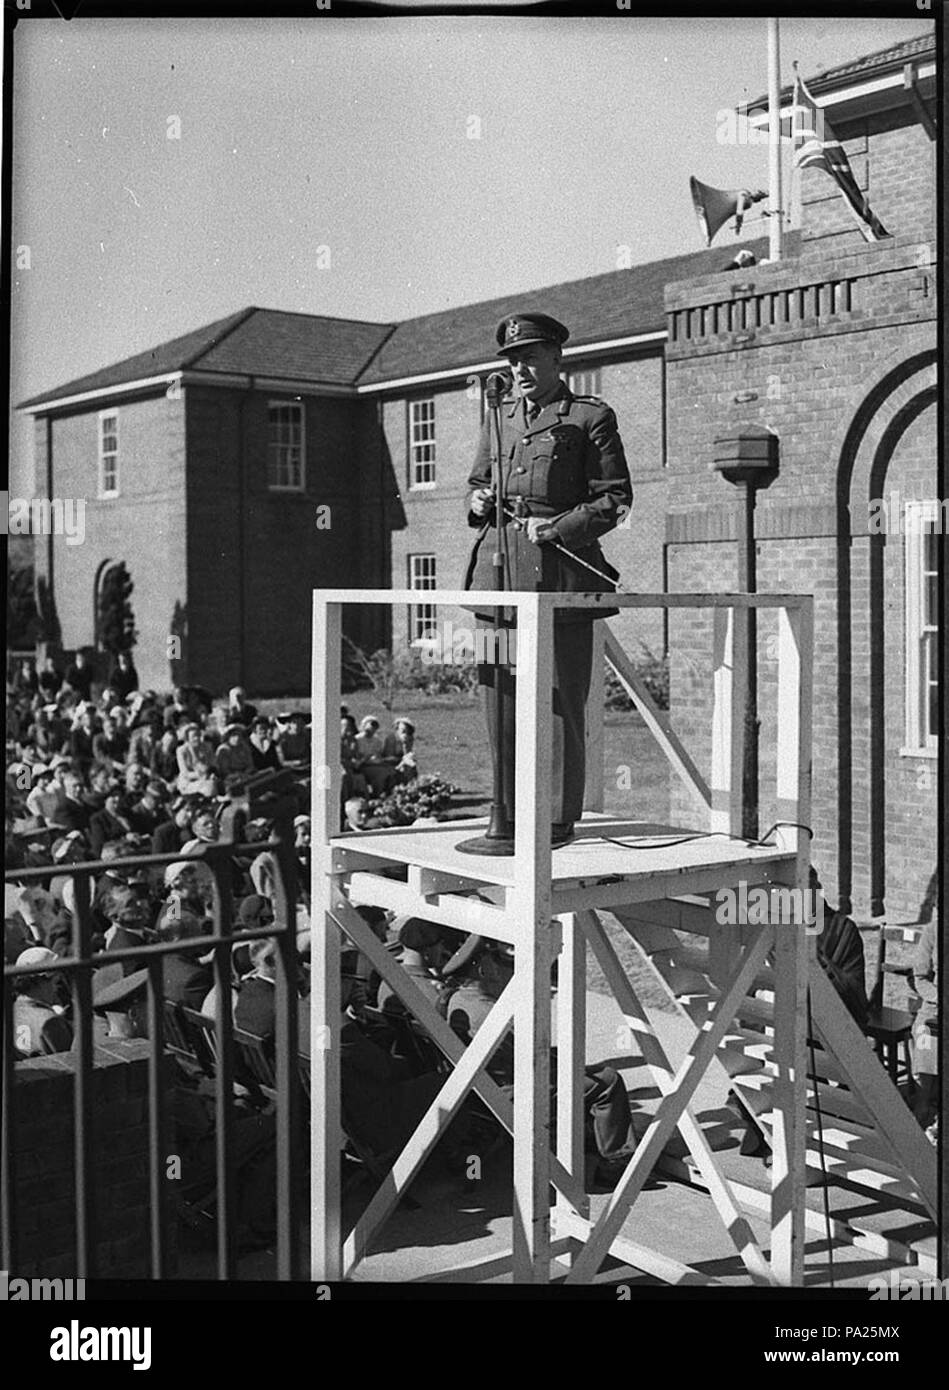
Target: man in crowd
x=74 y=813
x=110 y=823
x=148 y=813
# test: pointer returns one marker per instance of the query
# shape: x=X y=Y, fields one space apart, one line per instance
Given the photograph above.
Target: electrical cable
x=708 y=835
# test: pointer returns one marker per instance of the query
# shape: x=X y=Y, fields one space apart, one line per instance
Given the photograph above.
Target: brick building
x=833 y=350
x=237 y=467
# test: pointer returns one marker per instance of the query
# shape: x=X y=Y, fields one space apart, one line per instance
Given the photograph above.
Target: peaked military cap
x=517 y=330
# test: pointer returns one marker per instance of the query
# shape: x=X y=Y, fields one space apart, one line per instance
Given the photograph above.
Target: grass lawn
x=451 y=741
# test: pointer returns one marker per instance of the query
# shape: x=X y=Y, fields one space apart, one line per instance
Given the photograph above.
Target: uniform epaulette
x=594 y=400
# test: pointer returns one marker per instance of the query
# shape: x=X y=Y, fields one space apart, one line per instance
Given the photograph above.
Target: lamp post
x=749 y=460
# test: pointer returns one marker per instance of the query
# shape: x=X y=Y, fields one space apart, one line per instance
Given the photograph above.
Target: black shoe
x=560 y=833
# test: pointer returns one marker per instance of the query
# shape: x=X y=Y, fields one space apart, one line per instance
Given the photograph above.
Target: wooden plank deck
x=654 y=858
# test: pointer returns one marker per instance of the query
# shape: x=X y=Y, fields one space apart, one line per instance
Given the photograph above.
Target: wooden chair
x=889 y=1030
x=176 y=1039
x=254 y=1065
x=360 y=1154
x=201 y=1034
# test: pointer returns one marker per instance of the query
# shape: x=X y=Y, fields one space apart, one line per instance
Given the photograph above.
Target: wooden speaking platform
x=545 y=903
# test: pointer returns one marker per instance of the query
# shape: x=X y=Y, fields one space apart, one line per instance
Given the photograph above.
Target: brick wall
x=255 y=554
x=145 y=525
x=44 y=1163
x=813 y=349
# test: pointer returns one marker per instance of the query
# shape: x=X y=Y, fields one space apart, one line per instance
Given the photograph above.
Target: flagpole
x=776 y=219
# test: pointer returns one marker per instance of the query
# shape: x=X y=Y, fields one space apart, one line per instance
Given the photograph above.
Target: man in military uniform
x=566 y=483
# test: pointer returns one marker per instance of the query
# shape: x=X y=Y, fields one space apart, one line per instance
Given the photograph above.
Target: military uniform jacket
x=567 y=465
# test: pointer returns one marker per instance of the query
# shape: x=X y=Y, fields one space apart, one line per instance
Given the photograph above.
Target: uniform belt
x=530 y=508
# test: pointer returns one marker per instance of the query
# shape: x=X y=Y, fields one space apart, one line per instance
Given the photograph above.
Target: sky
x=441 y=160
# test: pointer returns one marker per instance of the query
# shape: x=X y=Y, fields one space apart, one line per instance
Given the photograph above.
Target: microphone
x=498 y=385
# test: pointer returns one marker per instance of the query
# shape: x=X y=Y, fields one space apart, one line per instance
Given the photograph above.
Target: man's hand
x=482 y=500
x=539 y=530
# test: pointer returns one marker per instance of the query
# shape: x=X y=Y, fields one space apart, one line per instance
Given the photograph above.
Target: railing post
x=157 y=1180
x=224 y=1076
x=325 y=1010
x=9 y=1212
x=84 y=1083
x=287 y=1048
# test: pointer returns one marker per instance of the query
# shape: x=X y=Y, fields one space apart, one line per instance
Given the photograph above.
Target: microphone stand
x=498 y=839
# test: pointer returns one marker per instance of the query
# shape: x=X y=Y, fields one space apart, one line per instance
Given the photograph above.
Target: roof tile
x=619 y=303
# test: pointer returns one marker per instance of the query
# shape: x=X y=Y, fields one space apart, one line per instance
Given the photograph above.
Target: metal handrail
x=80 y=965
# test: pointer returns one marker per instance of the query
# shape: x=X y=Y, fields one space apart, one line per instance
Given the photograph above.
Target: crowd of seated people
x=107 y=774
x=374 y=764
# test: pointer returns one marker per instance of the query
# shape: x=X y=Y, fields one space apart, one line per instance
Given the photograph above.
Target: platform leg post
x=533 y=952
x=571 y=1058
x=593 y=795
x=793 y=943
x=788 y=1175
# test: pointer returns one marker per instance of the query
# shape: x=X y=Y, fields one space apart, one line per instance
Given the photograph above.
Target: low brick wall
x=45 y=1171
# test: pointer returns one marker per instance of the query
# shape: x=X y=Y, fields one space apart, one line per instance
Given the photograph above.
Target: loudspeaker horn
x=714 y=206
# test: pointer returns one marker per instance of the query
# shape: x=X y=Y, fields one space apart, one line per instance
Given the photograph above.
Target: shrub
x=388 y=674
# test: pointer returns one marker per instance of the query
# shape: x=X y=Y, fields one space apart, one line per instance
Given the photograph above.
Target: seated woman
x=293 y=743
x=263 y=746
x=399 y=750
x=195 y=759
x=234 y=756
x=370 y=750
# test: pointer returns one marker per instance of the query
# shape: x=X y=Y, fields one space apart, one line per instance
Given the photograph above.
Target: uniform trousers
x=573 y=663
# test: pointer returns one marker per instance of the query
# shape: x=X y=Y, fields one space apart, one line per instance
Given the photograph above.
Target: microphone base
x=487 y=845
x=497 y=841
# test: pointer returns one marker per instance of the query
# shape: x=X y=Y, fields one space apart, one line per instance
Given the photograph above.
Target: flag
x=816 y=146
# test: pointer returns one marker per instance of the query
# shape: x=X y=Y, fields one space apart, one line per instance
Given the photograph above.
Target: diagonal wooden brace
x=674 y=1103
x=658 y=1062
x=430 y=1128
x=438 y=1030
